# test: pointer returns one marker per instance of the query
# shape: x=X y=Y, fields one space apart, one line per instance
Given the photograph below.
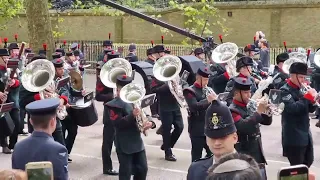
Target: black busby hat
x=298 y=68
x=158 y=48
x=204 y=72
x=4 y=52
x=218 y=121
x=56 y=55
x=13 y=46
x=123 y=80
x=250 y=47
x=76 y=53
x=112 y=55
x=107 y=43
x=198 y=51
x=57 y=63
x=282 y=57
x=150 y=51
x=244 y=61
x=132 y=47
x=60 y=50
x=242 y=83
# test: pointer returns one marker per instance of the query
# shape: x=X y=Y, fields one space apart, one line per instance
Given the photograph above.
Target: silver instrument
x=38 y=76
x=134 y=93
x=316 y=59
x=167 y=68
x=226 y=53
x=208 y=90
x=257 y=97
x=113 y=68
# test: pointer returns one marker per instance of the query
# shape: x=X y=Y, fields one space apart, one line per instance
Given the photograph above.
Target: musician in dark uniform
x=244 y=68
x=150 y=57
x=199 y=53
x=198 y=103
x=40 y=146
x=158 y=51
x=167 y=51
x=296 y=134
x=281 y=78
x=68 y=124
x=221 y=135
x=26 y=97
x=13 y=115
x=219 y=78
x=248 y=123
x=129 y=144
x=105 y=94
x=61 y=51
x=170 y=114
x=107 y=47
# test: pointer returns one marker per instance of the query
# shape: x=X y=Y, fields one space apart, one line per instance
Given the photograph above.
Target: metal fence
x=92 y=49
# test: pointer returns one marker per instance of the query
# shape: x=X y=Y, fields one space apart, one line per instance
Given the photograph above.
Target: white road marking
x=151 y=167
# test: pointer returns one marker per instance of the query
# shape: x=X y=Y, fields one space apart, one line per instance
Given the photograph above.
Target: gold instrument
x=134 y=93
x=226 y=53
x=113 y=68
x=76 y=80
x=38 y=76
x=167 y=68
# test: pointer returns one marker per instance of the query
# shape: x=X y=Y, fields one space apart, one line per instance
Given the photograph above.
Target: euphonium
x=134 y=93
x=112 y=69
x=226 y=53
x=167 y=68
x=38 y=77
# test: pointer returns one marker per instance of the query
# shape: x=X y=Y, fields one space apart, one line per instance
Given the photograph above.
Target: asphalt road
x=87 y=162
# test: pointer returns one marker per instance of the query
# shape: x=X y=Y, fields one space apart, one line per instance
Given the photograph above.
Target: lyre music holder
x=88 y=97
x=62 y=82
x=148 y=100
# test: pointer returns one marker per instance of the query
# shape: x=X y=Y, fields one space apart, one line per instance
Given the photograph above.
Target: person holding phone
x=296 y=135
x=129 y=144
x=41 y=146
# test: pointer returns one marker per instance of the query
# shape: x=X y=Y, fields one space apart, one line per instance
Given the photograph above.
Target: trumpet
x=272 y=109
x=305 y=88
x=208 y=90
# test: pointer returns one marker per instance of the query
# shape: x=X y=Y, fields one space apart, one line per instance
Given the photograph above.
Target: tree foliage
x=8 y=10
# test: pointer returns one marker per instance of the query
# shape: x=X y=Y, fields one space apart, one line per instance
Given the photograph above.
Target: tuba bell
x=226 y=53
x=316 y=59
x=38 y=76
x=134 y=93
x=113 y=68
x=293 y=57
x=167 y=68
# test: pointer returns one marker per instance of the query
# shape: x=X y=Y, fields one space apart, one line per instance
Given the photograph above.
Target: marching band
x=248 y=91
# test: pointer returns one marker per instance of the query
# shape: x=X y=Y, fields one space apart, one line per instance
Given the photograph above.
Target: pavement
x=86 y=154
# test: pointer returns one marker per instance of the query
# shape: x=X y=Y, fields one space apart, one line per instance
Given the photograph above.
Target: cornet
x=305 y=88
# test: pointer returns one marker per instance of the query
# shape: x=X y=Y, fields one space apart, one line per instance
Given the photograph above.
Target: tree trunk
x=39 y=26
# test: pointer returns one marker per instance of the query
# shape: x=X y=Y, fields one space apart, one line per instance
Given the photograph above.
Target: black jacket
x=295 y=117
x=248 y=130
x=281 y=78
x=198 y=104
x=218 y=79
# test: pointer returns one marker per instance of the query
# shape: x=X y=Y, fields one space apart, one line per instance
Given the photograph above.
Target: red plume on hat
x=44 y=45
x=16 y=37
x=124 y=76
x=220 y=37
x=5 y=40
x=162 y=39
x=152 y=43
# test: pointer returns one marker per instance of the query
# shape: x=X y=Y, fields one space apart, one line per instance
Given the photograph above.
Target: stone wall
x=285 y=20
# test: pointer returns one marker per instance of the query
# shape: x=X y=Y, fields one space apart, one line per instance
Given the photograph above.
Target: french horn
x=167 y=68
x=38 y=76
x=134 y=93
x=226 y=53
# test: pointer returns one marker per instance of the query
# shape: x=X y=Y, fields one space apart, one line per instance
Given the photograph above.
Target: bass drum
x=84 y=114
x=191 y=64
x=143 y=74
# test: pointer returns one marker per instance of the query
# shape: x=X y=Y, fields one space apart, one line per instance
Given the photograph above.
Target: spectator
x=13 y=175
x=235 y=166
x=264 y=54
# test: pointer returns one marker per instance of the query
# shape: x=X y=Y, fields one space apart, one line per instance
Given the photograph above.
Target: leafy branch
x=8 y=10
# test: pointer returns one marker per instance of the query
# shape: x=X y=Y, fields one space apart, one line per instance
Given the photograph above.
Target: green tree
x=8 y=10
x=39 y=25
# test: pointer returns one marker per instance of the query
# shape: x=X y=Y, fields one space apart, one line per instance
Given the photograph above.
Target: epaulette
x=205 y=158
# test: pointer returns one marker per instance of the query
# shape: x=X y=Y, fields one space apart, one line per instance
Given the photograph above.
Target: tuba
x=113 y=68
x=226 y=53
x=38 y=76
x=134 y=93
x=167 y=68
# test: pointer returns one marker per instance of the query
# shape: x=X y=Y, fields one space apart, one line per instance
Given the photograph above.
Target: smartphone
x=298 y=172
x=39 y=170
